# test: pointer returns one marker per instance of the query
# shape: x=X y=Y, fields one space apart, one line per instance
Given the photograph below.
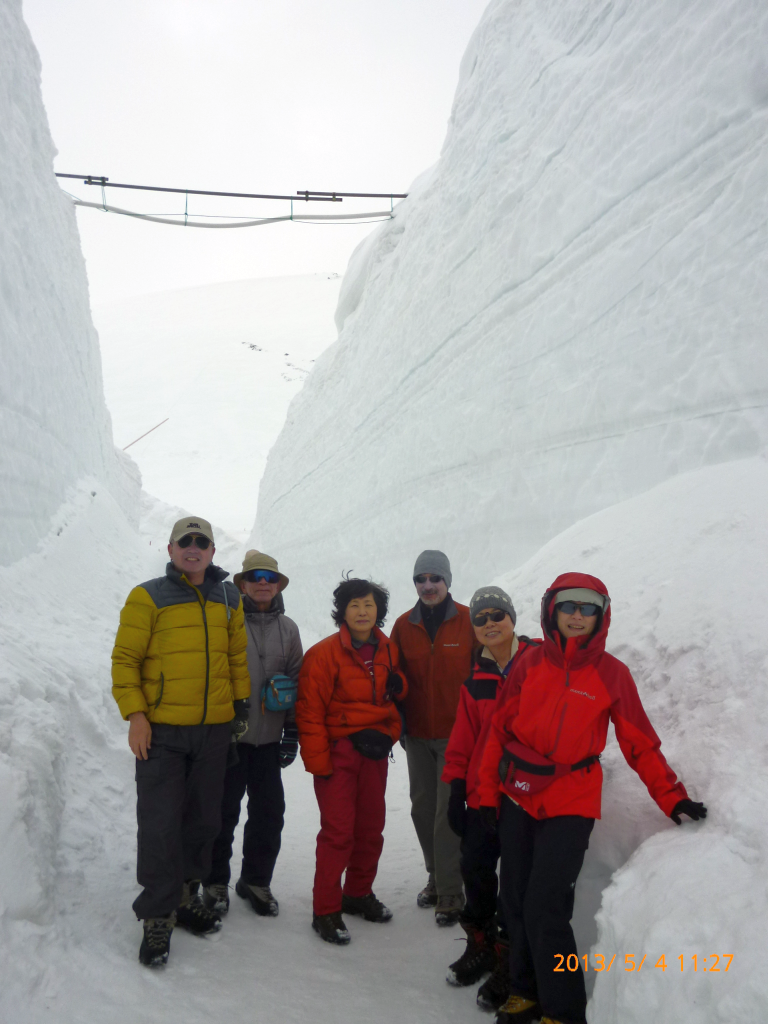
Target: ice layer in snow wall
x=54 y=424
x=568 y=309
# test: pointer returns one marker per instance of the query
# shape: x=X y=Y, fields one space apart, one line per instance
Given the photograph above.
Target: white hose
x=299 y=218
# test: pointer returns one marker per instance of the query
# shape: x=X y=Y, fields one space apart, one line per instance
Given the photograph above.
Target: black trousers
x=258 y=773
x=178 y=809
x=479 y=857
x=540 y=862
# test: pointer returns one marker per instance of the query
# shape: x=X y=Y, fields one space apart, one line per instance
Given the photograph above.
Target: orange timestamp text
x=714 y=963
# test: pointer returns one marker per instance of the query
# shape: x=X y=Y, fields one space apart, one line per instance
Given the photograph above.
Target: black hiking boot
x=216 y=897
x=368 y=907
x=518 y=1010
x=193 y=914
x=260 y=897
x=477 y=959
x=156 y=944
x=494 y=991
x=428 y=895
x=331 y=928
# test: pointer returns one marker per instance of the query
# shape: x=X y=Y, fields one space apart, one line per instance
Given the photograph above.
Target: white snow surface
x=54 y=424
x=568 y=309
x=222 y=363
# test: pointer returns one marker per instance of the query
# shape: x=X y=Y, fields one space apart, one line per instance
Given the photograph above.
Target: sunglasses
x=571 y=607
x=482 y=617
x=256 y=575
x=203 y=543
x=426 y=577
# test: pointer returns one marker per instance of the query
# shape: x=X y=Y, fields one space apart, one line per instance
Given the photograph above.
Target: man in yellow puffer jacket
x=179 y=676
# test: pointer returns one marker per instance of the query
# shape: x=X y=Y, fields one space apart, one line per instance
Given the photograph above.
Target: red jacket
x=338 y=696
x=477 y=702
x=435 y=671
x=559 y=702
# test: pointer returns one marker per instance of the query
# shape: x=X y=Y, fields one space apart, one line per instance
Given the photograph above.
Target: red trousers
x=352 y=813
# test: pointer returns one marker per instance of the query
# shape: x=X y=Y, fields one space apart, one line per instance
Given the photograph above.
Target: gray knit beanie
x=435 y=563
x=492 y=597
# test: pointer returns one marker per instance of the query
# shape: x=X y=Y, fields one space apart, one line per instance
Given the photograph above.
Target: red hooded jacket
x=559 y=702
x=477 y=702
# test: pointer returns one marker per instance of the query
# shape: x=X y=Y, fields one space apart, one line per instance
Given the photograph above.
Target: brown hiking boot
x=518 y=1010
x=448 y=909
x=428 y=895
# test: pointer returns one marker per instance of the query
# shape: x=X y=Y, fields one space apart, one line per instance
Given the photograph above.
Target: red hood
x=595 y=645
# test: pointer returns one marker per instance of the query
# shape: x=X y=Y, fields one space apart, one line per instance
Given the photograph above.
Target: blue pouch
x=279 y=693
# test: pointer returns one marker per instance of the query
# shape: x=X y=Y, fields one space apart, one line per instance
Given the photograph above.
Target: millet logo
x=583 y=693
x=523 y=785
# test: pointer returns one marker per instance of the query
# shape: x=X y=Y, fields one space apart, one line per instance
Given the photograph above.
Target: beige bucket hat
x=258 y=560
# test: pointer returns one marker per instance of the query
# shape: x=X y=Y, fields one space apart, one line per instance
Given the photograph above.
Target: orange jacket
x=339 y=696
x=435 y=671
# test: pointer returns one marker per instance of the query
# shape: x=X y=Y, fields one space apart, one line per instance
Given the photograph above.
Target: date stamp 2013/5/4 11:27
x=714 y=963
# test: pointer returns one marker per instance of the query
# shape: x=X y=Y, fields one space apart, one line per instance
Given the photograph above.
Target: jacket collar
x=450 y=611
x=486 y=656
x=346 y=637
x=213 y=573
x=277 y=607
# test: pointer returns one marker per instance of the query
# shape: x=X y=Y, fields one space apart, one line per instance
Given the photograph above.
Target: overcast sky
x=241 y=95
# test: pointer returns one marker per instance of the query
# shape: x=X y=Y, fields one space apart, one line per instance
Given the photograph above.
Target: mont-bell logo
x=195 y=526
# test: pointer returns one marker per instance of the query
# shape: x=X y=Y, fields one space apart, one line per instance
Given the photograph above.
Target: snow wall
x=568 y=309
x=554 y=358
x=69 y=506
x=54 y=423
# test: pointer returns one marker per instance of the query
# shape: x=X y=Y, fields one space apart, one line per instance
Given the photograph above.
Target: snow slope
x=223 y=363
x=53 y=421
x=569 y=309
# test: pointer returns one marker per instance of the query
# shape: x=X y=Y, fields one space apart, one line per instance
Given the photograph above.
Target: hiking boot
x=477 y=959
x=428 y=895
x=494 y=990
x=331 y=928
x=368 y=907
x=448 y=909
x=193 y=914
x=216 y=897
x=518 y=1010
x=156 y=944
x=260 y=897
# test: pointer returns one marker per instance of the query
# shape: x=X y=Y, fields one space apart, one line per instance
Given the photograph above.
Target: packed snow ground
x=684 y=562
x=222 y=363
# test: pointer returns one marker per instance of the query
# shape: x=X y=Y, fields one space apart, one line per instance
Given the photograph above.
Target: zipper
x=162 y=687
x=562 y=717
x=207 y=656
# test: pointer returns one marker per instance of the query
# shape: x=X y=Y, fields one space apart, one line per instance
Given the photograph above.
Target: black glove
x=240 y=721
x=691 y=808
x=289 y=744
x=394 y=686
x=489 y=818
x=457 y=806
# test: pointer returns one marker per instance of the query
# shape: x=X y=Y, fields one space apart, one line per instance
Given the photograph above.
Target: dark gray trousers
x=178 y=809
